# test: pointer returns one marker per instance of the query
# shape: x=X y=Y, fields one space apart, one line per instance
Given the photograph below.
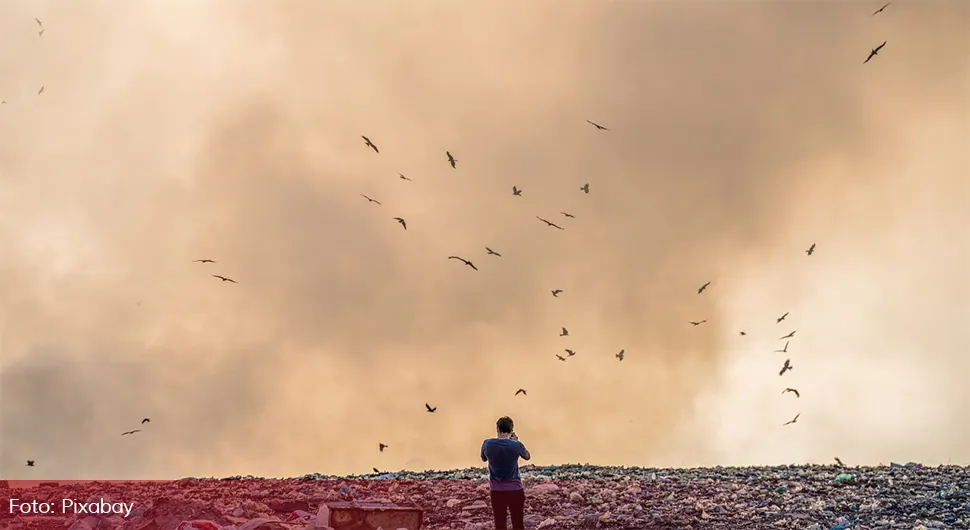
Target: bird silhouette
x=41 y=91
x=697 y=323
x=874 y=52
x=560 y=357
x=785 y=349
x=451 y=159
x=402 y=177
x=40 y=33
x=223 y=278
x=516 y=191
x=793 y=420
x=30 y=463
x=585 y=188
x=465 y=261
x=554 y=225
x=786 y=367
x=203 y=261
x=811 y=250
x=703 y=287
x=130 y=432
x=880 y=10
x=569 y=215
x=792 y=390
x=521 y=391
x=598 y=126
x=398 y=219
x=39 y=23
x=370 y=144
x=790 y=335
x=144 y=421
x=569 y=352
x=620 y=355
x=742 y=333
x=430 y=408
x=492 y=252
x=4 y=102
x=381 y=447
x=779 y=319
x=370 y=200
x=556 y=292
x=564 y=333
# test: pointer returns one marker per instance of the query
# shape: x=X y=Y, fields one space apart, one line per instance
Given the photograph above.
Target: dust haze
x=741 y=133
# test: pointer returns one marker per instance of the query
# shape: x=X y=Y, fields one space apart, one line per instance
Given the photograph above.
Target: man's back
x=503 y=455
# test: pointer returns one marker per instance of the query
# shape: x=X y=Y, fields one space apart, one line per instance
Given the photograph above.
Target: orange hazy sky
x=741 y=132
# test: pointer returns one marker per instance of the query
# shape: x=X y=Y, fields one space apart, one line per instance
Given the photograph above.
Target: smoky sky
x=740 y=134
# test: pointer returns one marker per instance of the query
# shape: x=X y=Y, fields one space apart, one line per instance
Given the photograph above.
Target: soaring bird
x=465 y=261
x=811 y=250
x=782 y=317
x=492 y=252
x=398 y=219
x=203 y=261
x=565 y=333
x=569 y=352
x=521 y=391
x=839 y=462
x=223 y=278
x=881 y=9
x=381 y=447
x=144 y=421
x=785 y=349
x=703 y=287
x=790 y=335
x=793 y=420
x=585 y=188
x=516 y=191
x=370 y=144
x=402 y=177
x=620 y=355
x=30 y=463
x=371 y=200
x=131 y=432
x=560 y=357
x=39 y=23
x=742 y=333
x=40 y=33
x=874 y=52
x=554 y=225
x=786 y=367
x=451 y=159
x=556 y=292
x=792 y=390
x=41 y=91
x=569 y=215
x=598 y=126
x=697 y=323
x=430 y=408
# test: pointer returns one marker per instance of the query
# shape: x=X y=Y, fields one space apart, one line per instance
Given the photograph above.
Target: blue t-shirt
x=502 y=455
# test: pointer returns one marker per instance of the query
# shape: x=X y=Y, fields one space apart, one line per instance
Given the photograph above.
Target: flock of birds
x=453 y=162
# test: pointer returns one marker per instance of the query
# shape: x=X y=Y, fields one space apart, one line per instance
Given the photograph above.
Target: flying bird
x=697 y=323
x=402 y=177
x=703 y=287
x=131 y=432
x=790 y=335
x=30 y=463
x=516 y=191
x=465 y=261
x=371 y=200
x=144 y=421
x=742 y=333
x=620 y=355
x=381 y=447
x=565 y=332
x=370 y=143
x=430 y=408
x=560 y=357
x=556 y=292
x=811 y=250
x=793 y=391
x=793 y=420
x=839 y=462
x=223 y=278
x=492 y=252
x=785 y=349
x=521 y=391
x=874 y=52
x=569 y=352
x=569 y=215
x=41 y=91
x=398 y=219
x=4 y=102
x=782 y=317
x=40 y=33
x=585 y=188
x=786 y=367
x=39 y=23
x=880 y=10
x=451 y=159
x=550 y=223
x=598 y=126
x=203 y=261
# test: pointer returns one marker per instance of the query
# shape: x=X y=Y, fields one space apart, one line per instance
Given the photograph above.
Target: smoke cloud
x=740 y=134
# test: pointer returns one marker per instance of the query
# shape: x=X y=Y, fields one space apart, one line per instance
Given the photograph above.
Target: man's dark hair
x=504 y=424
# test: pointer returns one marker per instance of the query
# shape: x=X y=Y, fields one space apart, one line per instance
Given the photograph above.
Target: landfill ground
x=573 y=496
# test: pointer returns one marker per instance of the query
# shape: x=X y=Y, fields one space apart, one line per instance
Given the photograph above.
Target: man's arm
x=484 y=458
x=525 y=454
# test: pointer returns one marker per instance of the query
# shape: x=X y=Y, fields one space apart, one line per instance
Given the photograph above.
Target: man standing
x=502 y=454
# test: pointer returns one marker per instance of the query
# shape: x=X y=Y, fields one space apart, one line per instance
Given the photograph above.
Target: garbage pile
x=573 y=496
